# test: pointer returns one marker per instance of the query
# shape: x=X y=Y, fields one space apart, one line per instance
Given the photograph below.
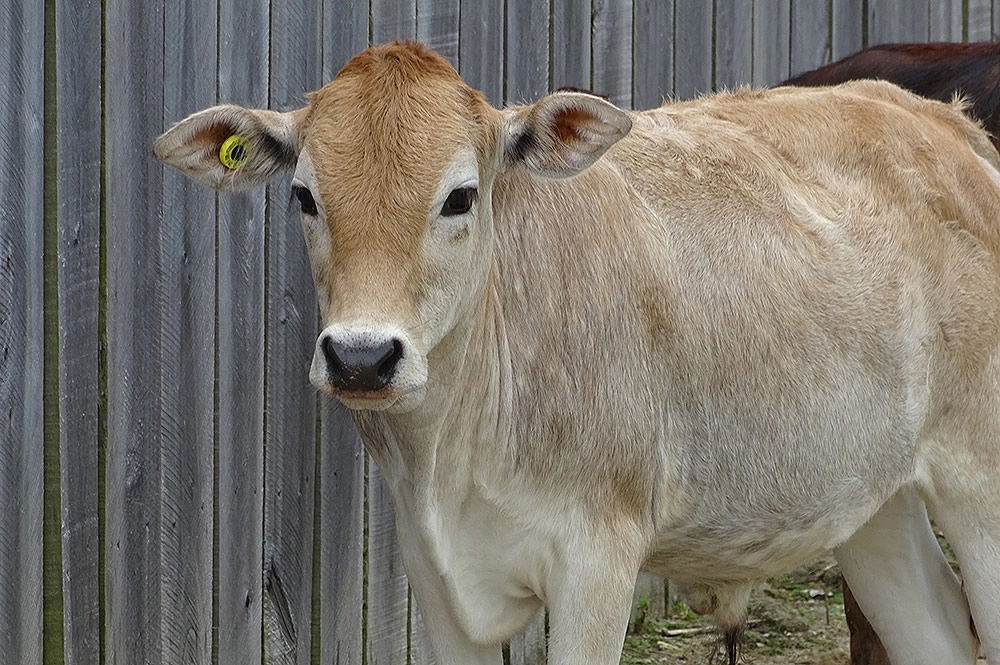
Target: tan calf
x=714 y=339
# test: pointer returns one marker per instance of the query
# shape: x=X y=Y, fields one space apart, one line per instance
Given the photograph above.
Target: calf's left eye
x=459 y=201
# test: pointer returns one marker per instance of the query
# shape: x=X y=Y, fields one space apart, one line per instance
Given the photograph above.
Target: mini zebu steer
x=712 y=339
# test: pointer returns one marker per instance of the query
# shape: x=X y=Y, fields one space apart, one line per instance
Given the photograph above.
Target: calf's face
x=393 y=164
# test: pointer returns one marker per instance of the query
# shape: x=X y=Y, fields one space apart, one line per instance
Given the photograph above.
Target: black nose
x=361 y=368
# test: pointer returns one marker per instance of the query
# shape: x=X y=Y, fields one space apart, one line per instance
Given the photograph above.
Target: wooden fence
x=171 y=489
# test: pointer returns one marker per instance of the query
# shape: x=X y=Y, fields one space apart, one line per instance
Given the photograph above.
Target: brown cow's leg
x=866 y=649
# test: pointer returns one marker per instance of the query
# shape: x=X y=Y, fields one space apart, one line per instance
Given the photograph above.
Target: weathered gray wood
x=571 y=44
x=848 y=27
x=342 y=485
x=345 y=33
x=979 y=20
x=650 y=590
x=771 y=40
x=945 y=20
x=393 y=19
x=692 y=48
x=529 y=647
x=78 y=182
x=810 y=35
x=437 y=26
x=996 y=19
x=480 y=48
x=290 y=401
x=134 y=77
x=388 y=594
x=21 y=331
x=527 y=50
x=894 y=21
x=733 y=44
x=612 y=52
x=187 y=350
x=243 y=79
x=421 y=651
x=652 y=52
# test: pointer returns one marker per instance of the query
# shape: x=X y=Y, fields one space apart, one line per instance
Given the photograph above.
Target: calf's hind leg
x=903 y=583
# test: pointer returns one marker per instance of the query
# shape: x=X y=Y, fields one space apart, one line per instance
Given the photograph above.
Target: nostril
x=387 y=367
x=330 y=352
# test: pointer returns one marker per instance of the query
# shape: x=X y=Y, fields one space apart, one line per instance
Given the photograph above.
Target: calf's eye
x=459 y=201
x=306 y=200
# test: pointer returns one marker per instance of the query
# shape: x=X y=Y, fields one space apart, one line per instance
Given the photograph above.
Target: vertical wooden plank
x=652 y=52
x=387 y=589
x=979 y=27
x=733 y=43
x=480 y=47
x=650 y=591
x=393 y=19
x=571 y=44
x=527 y=50
x=996 y=19
x=528 y=648
x=892 y=21
x=421 y=651
x=345 y=33
x=187 y=350
x=945 y=20
x=78 y=182
x=290 y=401
x=21 y=330
x=437 y=26
x=848 y=28
x=243 y=77
x=771 y=41
x=134 y=76
x=342 y=468
x=692 y=48
x=613 y=50
x=810 y=35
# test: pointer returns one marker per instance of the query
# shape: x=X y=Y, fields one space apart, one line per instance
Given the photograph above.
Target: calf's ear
x=562 y=133
x=231 y=148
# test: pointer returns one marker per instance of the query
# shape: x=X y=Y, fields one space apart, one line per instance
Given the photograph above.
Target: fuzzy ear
x=231 y=148
x=563 y=133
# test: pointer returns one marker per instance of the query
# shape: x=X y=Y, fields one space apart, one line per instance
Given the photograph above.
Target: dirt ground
x=794 y=620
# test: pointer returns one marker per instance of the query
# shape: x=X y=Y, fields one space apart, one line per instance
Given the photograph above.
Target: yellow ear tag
x=234 y=151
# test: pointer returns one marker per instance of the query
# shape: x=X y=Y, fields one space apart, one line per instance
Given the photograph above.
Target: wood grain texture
x=21 y=331
x=421 y=651
x=529 y=648
x=526 y=52
x=571 y=44
x=342 y=485
x=437 y=26
x=771 y=41
x=692 y=48
x=78 y=183
x=345 y=33
x=480 y=48
x=291 y=327
x=243 y=79
x=393 y=19
x=945 y=22
x=733 y=44
x=612 y=54
x=134 y=76
x=979 y=20
x=811 y=44
x=996 y=19
x=652 y=52
x=388 y=594
x=187 y=350
x=650 y=591
x=893 y=21
x=847 y=17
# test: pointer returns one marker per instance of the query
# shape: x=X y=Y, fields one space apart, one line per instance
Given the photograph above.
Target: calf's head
x=393 y=164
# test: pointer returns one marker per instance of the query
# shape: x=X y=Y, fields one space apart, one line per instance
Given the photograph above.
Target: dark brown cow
x=938 y=70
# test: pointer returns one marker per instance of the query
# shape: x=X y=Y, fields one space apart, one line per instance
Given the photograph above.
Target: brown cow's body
x=939 y=70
